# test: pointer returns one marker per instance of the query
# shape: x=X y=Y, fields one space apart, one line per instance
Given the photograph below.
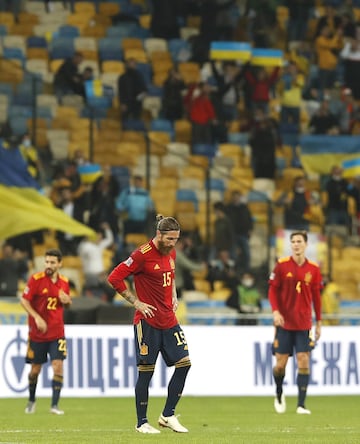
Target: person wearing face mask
x=297 y=204
x=246 y=299
x=337 y=192
x=31 y=157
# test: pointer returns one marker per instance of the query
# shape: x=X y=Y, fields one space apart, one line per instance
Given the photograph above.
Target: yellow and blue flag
x=319 y=153
x=23 y=208
x=267 y=57
x=230 y=51
x=94 y=88
x=89 y=172
x=351 y=167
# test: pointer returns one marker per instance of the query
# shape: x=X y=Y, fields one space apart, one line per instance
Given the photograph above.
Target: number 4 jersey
x=43 y=295
x=154 y=275
x=294 y=290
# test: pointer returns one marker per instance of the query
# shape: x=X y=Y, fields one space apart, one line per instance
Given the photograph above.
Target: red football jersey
x=154 y=275
x=43 y=295
x=293 y=291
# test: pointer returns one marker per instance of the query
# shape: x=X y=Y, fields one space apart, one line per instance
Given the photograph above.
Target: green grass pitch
x=210 y=420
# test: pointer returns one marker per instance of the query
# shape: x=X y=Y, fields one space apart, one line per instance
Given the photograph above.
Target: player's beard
x=49 y=271
x=164 y=250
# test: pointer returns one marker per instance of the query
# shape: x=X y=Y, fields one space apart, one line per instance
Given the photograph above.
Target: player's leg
x=147 y=341
x=36 y=356
x=57 y=352
x=175 y=349
x=282 y=347
x=304 y=344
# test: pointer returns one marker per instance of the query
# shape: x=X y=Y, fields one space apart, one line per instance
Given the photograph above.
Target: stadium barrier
x=101 y=362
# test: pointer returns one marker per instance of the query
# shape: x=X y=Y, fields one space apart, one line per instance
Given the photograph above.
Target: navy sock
x=142 y=392
x=57 y=384
x=176 y=386
x=302 y=383
x=279 y=376
x=32 y=387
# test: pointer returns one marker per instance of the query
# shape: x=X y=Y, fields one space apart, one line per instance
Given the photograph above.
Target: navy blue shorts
x=286 y=341
x=37 y=352
x=150 y=341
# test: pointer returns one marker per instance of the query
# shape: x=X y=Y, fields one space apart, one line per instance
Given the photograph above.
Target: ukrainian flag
x=22 y=206
x=230 y=51
x=318 y=154
x=267 y=57
x=351 y=167
x=94 y=88
x=89 y=173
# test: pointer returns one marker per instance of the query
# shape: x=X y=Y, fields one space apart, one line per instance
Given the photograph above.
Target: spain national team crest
x=144 y=350
x=172 y=263
x=308 y=278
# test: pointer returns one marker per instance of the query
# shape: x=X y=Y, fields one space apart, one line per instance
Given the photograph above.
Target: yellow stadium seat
x=28 y=18
x=84 y=8
x=113 y=66
x=145 y=21
x=131 y=43
x=7 y=19
x=109 y=9
x=190 y=72
x=37 y=53
x=183 y=131
x=158 y=142
x=97 y=31
x=138 y=54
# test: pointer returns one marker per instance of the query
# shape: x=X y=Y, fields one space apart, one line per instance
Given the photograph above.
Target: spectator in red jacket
x=260 y=84
x=202 y=114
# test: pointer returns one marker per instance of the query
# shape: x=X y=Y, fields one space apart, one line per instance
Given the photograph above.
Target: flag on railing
x=89 y=172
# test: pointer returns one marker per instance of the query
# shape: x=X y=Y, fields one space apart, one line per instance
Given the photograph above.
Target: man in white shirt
x=91 y=253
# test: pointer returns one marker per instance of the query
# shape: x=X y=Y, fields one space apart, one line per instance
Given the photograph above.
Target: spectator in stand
x=348 y=24
x=68 y=243
x=102 y=198
x=301 y=207
x=137 y=205
x=173 y=92
x=263 y=139
x=290 y=89
x=261 y=83
x=246 y=299
x=132 y=90
x=165 y=18
x=13 y=268
x=350 y=55
x=67 y=79
x=323 y=121
x=91 y=253
x=228 y=90
x=337 y=199
x=223 y=231
x=354 y=192
x=261 y=16
x=202 y=114
x=331 y=19
x=327 y=48
x=222 y=268
x=348 y=111
x=31 y=157
x=184 y=267
x=241 y=219
x=299 y=14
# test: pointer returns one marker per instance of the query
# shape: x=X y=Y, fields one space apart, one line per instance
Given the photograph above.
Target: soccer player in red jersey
x=294 y=289
x=44 y=299
x=156 y=328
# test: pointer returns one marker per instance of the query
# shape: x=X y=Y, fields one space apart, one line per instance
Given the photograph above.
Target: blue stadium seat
x=18 y=125
x=111 y=54
x=216 y=184
x=122 y=176
x=110 y=48
x=155 y=91
x=62 y=48
x=134 y=125
x=205 y=149
x=35 y=41
x=257 y=196
x=179 y=48
x=123 y=30
x=146 y=71
x=99 y=102
x=68 y=31
x=94 y=113
x=14 y=53
x=163 y=125
x=238 y=138
x=3 y=30
x=7 y=89
x=20 y=111
x=183 y=194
